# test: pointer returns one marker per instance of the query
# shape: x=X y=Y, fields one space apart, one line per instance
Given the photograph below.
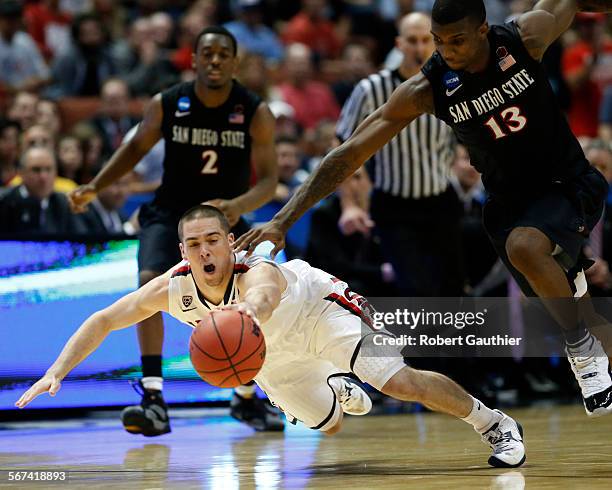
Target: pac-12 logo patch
x=184 y=104
x=187 y=300
x=452 y=82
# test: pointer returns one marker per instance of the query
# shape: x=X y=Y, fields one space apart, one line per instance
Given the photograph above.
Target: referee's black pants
x=421 y=238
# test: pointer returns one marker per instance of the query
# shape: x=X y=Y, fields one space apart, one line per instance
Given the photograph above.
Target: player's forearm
x=568 y=8
x=335 y=168
x=263 y=301
x=260 y=194
x=82 y=343
x=122 y=161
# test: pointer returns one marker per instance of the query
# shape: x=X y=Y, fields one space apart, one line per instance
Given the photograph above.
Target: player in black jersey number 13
x=487 y=83
x=213 y=128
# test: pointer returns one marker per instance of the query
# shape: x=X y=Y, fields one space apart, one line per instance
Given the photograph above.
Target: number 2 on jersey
x=209 y=157
x=513 y=120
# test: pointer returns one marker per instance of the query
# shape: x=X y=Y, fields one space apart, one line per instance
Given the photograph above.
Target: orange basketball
x=227 y=349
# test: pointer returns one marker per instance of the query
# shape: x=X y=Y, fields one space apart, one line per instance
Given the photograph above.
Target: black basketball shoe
x=150 y=418
x=256 y=413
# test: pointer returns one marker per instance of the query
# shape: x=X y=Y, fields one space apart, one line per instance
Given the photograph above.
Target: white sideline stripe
x=75 y=282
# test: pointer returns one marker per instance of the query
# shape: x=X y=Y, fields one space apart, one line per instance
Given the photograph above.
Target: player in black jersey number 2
x=212 y=128
x=488 y=84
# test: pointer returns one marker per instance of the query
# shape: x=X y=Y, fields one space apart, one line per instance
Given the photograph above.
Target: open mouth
x=209 y=269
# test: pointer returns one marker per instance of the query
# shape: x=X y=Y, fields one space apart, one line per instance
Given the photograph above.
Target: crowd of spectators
x=75 y=75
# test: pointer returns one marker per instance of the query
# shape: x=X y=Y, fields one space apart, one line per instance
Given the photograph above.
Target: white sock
x=153 y=383
x=245 y=391
x=481 y=417
x=581 y=348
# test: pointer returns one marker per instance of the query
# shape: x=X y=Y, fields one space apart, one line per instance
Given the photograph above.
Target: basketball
x=227 y=349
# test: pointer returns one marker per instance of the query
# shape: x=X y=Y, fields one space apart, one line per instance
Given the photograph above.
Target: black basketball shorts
x=565 y=213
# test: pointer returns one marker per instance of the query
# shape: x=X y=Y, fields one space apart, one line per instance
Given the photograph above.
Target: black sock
x=577 y=337
x=151 y=366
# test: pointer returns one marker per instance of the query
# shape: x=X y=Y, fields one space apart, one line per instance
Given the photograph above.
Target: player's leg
x=441 y=394
x=530 y=252
x=158 y=251
x=543 y=252
x=342 y=338
x=303 y=389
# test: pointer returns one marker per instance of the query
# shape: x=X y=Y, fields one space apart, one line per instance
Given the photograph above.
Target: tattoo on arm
x=335 y=168
x=594 y=5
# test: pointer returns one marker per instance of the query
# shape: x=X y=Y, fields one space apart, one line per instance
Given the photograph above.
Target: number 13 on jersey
x=512 y=119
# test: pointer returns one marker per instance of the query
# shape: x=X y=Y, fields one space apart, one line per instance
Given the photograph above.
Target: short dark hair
x=203 y=211
x=450 y=11
x=216 y=30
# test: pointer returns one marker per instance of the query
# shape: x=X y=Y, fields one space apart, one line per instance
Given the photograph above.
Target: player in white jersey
x=313 y=329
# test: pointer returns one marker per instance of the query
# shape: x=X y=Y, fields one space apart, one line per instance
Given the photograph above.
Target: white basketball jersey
x=310 y=291
x=185 y=301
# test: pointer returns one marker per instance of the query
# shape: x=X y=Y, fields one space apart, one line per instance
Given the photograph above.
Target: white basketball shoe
x=592 y=370
x=352 y=398
x=506 y=439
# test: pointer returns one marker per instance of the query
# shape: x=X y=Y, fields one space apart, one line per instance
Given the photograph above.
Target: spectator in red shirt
x=581 y=62
x=49 y=26
x=312 y=101
x=310 y=27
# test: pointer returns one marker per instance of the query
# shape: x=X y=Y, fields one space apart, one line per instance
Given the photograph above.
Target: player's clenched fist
x=48 y=383
x=80 y=197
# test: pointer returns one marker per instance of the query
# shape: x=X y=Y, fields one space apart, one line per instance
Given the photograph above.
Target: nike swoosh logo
x=181 y=114
x=451 y=92
x=190 y=309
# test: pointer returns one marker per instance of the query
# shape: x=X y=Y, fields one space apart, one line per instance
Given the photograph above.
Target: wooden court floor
x=422 y=451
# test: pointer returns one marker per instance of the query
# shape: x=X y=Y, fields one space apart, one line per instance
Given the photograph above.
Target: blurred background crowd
x=76 y=74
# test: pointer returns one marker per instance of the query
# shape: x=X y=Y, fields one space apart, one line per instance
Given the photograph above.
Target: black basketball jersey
x=208 y=150
x=508 y=118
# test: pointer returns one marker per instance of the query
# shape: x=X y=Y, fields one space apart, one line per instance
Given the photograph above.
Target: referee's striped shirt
x=416 y=163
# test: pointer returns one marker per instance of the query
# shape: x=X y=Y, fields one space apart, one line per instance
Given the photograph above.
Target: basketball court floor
x=209 y=450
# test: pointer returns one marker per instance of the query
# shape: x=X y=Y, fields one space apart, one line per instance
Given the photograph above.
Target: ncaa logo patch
x=184 y=104
x=187 y=300
x=451 y=80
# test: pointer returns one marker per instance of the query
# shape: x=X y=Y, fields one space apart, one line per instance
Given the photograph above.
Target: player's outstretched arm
x=125 y=158
x=131 y=309
x=550 y=18
x=411 y=99
x=261 y=288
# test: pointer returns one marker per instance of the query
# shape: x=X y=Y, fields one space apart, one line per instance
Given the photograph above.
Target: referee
x=415 y=211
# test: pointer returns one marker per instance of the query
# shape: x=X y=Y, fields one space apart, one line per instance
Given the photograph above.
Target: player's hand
x=269 y=231
x=48 y=383
x=80 y=197
x=228 y=207
x=355 y=220
x=245 y=308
